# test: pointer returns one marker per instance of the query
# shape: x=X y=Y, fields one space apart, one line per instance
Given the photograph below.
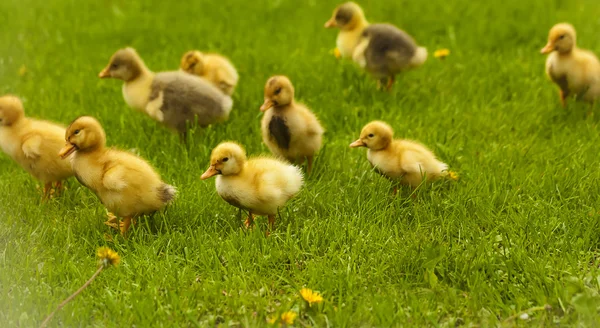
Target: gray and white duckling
x=384 y=51
x=351 y=21
x=175 y=98
x=289 y=129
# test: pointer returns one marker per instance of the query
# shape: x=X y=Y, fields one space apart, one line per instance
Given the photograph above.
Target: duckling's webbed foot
x=249 y=221
x=112 y=221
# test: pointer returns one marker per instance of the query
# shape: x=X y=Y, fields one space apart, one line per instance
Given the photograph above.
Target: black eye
x=225 y=159
x=76 y=132
x=278 y=91
x=371 y=135
x=562 y=36
x=114 y=66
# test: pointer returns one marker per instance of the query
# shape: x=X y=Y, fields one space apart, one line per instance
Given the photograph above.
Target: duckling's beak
x=268 y=104
x=330 y=23
x=67 y=150
x=212 y=171
x=357 y=143
x=547 y=49
x=105 y=73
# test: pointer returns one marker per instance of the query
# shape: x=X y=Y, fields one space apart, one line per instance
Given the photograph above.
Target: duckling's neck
x=284 y=106
x=19 y=124
x=358 y=25
x=567 y=53
x=96 y=149
x=144 y=74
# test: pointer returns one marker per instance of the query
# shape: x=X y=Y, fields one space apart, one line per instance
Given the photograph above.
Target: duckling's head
x=84 y=134
x=228 y=158
x=279 y=91
x=376 y=135
x=192 y=62
x=11 y=110
x=346 y=16
x=125 y=64
x=562 y=38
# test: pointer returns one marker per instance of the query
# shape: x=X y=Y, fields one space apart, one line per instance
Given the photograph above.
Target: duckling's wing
x=115 y=177
x=186 y=97
x=389 y=49
x=32 y=146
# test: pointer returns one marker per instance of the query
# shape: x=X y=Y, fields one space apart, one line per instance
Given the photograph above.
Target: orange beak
x=105 y=73
x=211 y=172
x=330 y=23
x=547 y=49
x=357 y=143
x=67 y=150
x=268 y=104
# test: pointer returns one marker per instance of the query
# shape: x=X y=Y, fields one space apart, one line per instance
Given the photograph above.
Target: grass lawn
x=519 y=230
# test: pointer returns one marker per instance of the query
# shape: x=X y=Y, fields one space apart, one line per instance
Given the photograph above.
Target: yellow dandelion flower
x=288 y=317
x=310 y=296
x=271 y=320
x=441 y=53
x=336 y=52
x=453 y=175
x=108 y=256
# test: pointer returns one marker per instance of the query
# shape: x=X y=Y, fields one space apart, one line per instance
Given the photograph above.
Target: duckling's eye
x=371 y=135
x=114 y=66
x=76 y=132
x=277 y=91
x=225 y=159
x=562 y=36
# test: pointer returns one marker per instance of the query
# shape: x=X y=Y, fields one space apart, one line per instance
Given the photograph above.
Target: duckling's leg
x=47 y=191
x=249 y=221
x=563 y=97
x=59 y=187
x=390 y=83
x=309 y=165
x=124 y=225
x=271 y=222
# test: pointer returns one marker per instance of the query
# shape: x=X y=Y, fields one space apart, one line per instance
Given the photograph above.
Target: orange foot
x=249 y=223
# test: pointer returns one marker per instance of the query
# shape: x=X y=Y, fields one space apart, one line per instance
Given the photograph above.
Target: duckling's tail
x=167 y=193
x=419 y=58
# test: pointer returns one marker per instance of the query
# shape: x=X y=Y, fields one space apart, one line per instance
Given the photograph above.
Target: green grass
x=520 y=229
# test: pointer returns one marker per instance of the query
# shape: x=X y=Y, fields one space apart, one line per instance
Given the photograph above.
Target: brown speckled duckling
x=172 y=98
x=384 y=51
x=289 y=129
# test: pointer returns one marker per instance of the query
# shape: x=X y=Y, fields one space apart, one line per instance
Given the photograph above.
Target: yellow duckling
x=351 y=21
x=384 y=51
x=289 y=129
x=126 y=184
x=33 y=144
x=215 y=68
x=175 y=99
x=259 y=185
x=575 y=71
x=407 y=162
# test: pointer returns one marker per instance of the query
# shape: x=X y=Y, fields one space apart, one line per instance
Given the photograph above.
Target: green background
x=519 y=230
